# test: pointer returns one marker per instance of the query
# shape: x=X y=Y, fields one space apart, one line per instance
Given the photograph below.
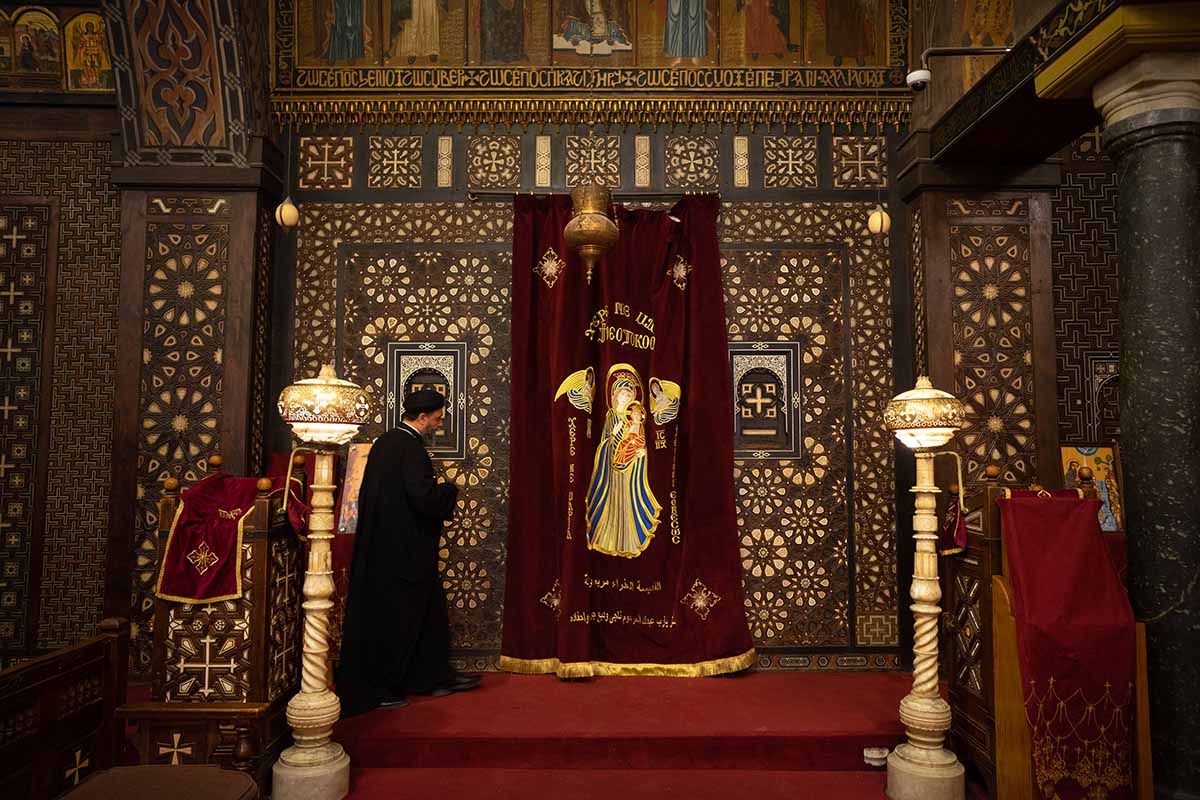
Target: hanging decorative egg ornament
x=880 y=222
x=286 y=214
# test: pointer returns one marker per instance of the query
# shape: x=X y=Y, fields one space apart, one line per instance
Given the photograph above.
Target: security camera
x=918 y=79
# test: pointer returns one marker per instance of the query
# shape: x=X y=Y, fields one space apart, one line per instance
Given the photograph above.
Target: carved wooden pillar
x=198 y=187
x=983 y=309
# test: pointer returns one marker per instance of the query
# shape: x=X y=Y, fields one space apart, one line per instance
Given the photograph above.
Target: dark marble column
x=1158 y=156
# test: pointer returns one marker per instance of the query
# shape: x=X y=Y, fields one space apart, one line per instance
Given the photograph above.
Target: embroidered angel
x=664 y=400
x=579 y=387
x=622 y=512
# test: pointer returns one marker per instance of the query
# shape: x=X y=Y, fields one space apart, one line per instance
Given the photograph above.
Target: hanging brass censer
x=591 y=232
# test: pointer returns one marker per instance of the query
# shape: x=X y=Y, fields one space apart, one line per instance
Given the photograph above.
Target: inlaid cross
x=206 y=668
x=202 y=557
x=325 y=162
x=81 y=762
x=4 y=465
x=13 y=237
x=395 y=162
x=6 y=407
x=8 y=350
x=791 y=162
x=175 y=749
x=12 y=294
x=758 y=400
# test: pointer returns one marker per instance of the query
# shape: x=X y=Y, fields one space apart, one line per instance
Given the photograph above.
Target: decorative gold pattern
x=1100 y=766
x=326 y=162
x=680 y=270
x=789 y=162
x=493 y=162
x=859 y=162
x=641 y=161
x=445 y=161
x=542 y=157
x=606 y=111
x=203 y=558
x=549 y=268
x=691 y=161
x=553 y=599
x=395 y=162
x=741 y=162
x=700 y=599
x=594 y=159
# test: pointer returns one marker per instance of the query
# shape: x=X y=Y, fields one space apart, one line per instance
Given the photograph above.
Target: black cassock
x=396 y=632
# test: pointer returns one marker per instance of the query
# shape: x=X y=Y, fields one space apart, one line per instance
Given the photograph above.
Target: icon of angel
x=665 y=396
x=579 y=387
x=622 y=512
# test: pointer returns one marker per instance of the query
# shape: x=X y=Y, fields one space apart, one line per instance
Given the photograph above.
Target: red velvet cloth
x=622 y=548
x=1075 y=644
x=952 y=536
x=299 y=498
x=203 y=557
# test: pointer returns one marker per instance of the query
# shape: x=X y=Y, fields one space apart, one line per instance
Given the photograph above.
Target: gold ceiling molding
x=533 y=112
x=1118 y=38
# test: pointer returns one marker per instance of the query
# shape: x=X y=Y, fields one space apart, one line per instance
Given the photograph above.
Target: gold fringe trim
x=534 y=112
x=589 y=669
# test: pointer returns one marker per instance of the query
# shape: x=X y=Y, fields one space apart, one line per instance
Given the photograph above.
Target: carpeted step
x=643 y=784
x=761 y=721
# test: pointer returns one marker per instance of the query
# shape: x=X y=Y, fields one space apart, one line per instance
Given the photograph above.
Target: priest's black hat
x=423 y=401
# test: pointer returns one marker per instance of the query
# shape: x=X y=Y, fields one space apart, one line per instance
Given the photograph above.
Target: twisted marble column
x=315 y=768
x=922 y=768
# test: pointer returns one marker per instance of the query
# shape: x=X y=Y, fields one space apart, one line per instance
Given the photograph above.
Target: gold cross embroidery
x=203 y=558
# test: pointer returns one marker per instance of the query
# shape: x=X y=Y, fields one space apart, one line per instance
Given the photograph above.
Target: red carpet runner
x=763 y=721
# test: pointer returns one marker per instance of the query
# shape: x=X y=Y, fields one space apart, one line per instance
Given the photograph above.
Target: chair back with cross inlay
x=57 y=715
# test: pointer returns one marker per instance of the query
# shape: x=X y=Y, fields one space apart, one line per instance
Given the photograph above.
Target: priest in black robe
x=396 y=632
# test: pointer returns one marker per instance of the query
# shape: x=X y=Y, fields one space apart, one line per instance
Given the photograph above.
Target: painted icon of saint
x=622 y=512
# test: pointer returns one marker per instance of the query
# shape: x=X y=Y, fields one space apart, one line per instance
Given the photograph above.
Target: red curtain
x=622 y=551
x=1075 y=645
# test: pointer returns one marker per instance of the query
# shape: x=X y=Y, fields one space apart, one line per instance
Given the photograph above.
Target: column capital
x=1150 y=82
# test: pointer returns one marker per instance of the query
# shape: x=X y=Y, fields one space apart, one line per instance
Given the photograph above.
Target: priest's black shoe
x=394 y=701
x=458 y=682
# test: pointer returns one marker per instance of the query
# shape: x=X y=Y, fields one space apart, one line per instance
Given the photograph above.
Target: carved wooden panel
x=1086 y=298
x=992 y=308
x=182 y=370
x=27 y=291
x=74 y=540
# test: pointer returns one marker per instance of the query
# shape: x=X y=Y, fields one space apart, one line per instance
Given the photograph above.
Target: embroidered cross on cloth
x=202 y=561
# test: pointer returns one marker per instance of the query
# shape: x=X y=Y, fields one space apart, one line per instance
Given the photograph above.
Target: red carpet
x=816 y=722
x=646 y=784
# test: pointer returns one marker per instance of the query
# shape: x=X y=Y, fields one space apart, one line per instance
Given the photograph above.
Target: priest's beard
x=427 y=437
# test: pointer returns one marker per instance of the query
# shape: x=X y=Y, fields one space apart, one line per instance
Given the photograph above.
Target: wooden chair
x=989 y=731
x=58 y=720
x=224 y=671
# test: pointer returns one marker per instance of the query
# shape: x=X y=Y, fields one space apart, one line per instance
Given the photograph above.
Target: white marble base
x=329 y=781
x=917 y=774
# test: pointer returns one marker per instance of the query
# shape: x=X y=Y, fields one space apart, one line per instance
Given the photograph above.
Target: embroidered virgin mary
x=622 y=512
